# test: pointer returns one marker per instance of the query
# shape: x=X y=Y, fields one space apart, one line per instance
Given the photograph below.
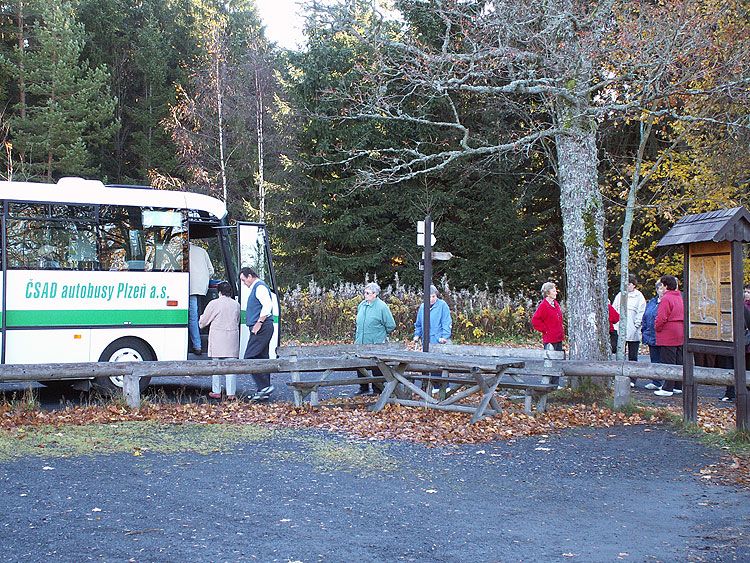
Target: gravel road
x=619 y=494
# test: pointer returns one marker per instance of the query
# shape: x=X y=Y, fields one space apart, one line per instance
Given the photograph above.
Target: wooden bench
x=531 y=391
x=309 y=388
x=331 y=358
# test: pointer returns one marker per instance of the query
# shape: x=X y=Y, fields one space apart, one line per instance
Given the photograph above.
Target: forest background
x=189 y=95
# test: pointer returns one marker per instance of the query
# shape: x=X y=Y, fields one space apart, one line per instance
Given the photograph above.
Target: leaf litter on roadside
x=350 y=417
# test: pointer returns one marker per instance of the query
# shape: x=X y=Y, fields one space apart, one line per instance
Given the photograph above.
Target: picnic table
x=468 y=376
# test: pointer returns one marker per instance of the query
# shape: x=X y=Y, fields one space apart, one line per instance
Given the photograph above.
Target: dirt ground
x=627 y=493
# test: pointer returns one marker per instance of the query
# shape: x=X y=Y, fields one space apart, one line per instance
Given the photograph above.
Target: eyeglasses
x=368 y=292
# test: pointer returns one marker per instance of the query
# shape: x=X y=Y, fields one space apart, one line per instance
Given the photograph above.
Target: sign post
x=427 y=239
x=427 y=282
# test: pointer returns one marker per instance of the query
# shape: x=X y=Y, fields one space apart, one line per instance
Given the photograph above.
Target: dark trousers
x=728 y=362
x=671 y=355
x=257 y=348
x=631 y=346
x=365 y=388
x=557 y=347
x=655 y=355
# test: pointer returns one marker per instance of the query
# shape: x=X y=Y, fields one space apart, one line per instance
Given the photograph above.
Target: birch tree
x=553 y=65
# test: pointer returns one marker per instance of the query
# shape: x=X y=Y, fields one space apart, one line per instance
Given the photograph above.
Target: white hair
x=372 y=286
x=547 y=287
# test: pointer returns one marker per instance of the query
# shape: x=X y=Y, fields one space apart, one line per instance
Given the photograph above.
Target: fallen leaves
x=352 y=418
x=349 y=417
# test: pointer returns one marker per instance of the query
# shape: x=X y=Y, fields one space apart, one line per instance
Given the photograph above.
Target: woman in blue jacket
x=441 y=324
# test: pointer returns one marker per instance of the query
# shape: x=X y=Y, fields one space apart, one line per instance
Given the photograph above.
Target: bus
x=100 y=273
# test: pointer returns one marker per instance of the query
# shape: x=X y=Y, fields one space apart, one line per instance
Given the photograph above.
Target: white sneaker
x=652 y=386
x=663 y=393
x=632 y=385
x=263 y=394
x=677 y=391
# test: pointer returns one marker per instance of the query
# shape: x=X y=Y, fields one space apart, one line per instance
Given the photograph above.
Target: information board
x=710 y=291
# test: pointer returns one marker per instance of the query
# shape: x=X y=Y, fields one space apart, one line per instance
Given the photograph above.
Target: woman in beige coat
x=223 y=314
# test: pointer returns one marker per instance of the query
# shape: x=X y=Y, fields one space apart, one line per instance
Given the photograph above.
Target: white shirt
x=263 y=294
x=201 y=270
x=636 y=308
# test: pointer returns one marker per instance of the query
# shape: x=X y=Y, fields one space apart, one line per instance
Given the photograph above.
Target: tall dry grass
x=318 y=313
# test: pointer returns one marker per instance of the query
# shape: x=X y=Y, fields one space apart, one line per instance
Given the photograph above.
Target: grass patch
x=736 y=442
x=332 y=454
x=586 y=393
x=133 y=437
x=645 y=412
x=360 y=458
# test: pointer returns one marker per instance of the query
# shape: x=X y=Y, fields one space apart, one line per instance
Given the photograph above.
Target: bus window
x=166 y=238
x=51 y=237
x=148 y=240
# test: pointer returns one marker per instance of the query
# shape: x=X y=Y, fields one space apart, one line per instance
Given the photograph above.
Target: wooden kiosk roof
x=714 y=226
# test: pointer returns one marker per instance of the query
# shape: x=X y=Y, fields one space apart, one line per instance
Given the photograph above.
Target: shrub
x=479 y=315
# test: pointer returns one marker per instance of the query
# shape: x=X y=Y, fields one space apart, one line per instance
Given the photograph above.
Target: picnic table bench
x=404 y=373
x=531 y=391
x=332 y=359
x=482 y=377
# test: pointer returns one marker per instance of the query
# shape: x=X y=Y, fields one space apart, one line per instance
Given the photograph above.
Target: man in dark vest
x=259 y=319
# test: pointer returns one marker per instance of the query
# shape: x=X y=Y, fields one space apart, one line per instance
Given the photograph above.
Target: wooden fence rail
x=344 y=357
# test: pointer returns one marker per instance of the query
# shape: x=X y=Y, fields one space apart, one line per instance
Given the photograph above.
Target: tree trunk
x=21 y=38
x=583 y=237
x=261 y=164
x=219 y=83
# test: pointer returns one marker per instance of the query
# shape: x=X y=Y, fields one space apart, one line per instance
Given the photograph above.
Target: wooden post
x=426 y=283
x=131 y=390
x=299 y=398
x=689 y=387
x=738 y=315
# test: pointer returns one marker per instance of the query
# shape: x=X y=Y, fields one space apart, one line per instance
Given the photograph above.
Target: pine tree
x=68 y=111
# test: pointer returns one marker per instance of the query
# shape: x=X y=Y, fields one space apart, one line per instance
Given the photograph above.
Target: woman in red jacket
x=548 y=320
x=670 y=335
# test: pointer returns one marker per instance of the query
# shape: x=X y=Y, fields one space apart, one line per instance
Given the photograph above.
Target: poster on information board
x=710 y=291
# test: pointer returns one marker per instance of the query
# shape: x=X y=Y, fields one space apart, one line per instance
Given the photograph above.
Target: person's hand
x=415 y=338
x=256 y=327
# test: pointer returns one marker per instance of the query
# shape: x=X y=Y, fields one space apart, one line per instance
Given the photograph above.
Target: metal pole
x=427 y=281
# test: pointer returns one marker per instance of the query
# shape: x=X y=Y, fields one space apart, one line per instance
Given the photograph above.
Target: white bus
x=101 y=273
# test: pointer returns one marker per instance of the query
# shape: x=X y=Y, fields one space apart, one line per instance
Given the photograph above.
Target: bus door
x=254 y=251
x=2 y=281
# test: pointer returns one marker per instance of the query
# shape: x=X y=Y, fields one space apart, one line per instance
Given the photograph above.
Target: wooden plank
x=487 y=388
x=440 y=406
x=328 y=350
x=390 y=386
x=438 y=362
x=474 y=350
x=742 y=399
x=703 y=376
x=312 y=383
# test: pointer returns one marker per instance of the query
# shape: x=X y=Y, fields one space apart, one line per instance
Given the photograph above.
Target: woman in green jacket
x=374 y=323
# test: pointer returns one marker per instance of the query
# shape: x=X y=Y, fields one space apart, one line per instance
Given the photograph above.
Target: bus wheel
x=123 y=350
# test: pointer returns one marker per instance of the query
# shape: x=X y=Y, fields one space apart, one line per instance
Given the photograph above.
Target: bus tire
x=123 y=350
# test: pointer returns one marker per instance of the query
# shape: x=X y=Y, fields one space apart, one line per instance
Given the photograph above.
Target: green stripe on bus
x=243 y=316
x=96 y=317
